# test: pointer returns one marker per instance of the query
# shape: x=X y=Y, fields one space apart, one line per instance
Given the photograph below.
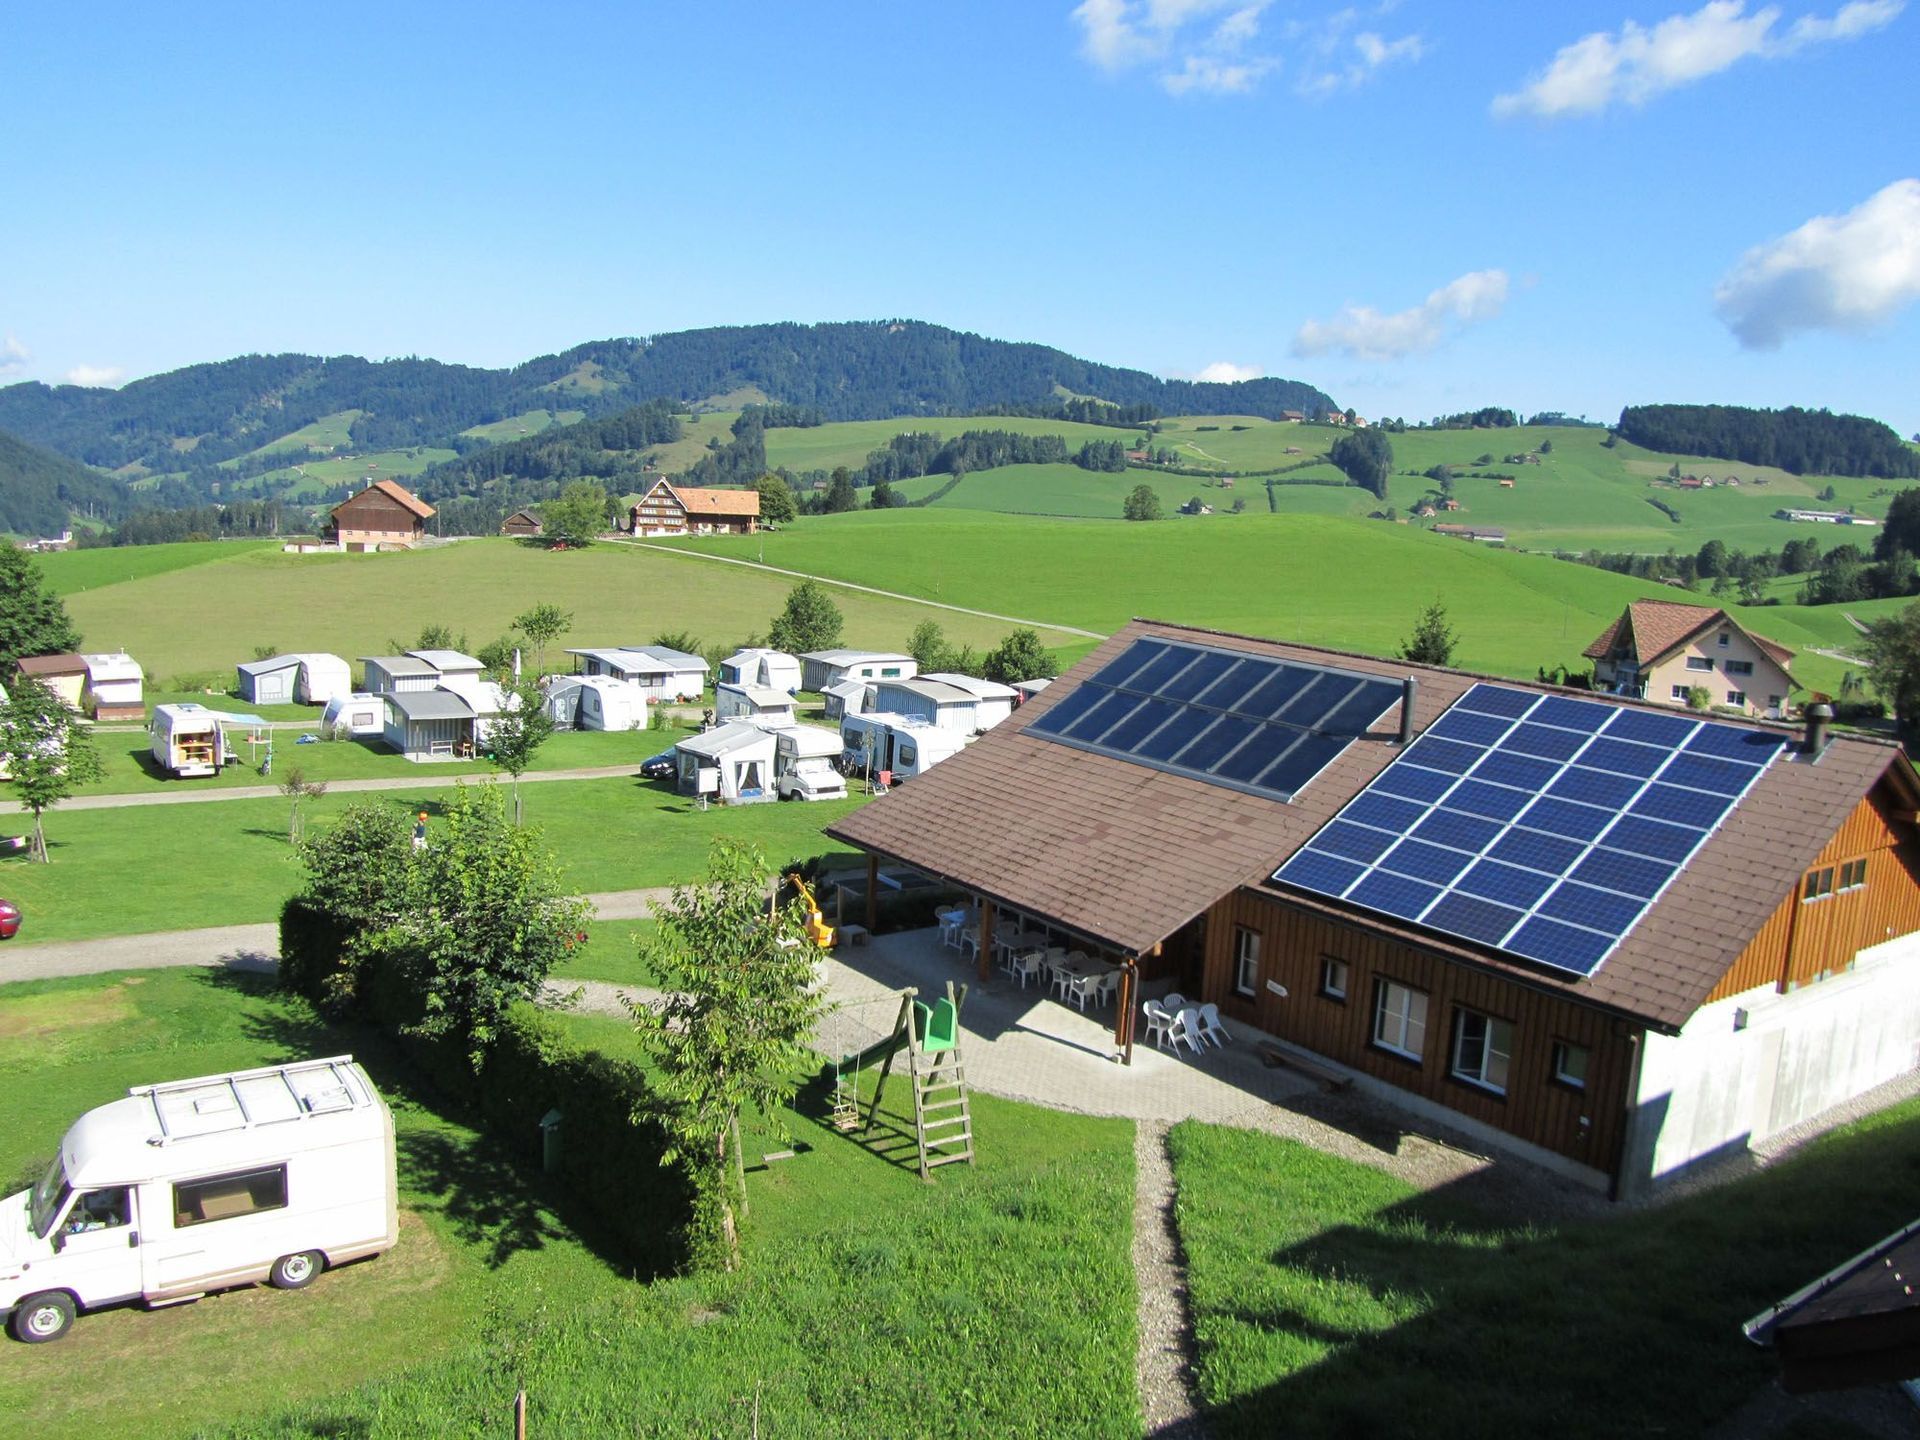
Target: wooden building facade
x=384 y=516
x=668 y=509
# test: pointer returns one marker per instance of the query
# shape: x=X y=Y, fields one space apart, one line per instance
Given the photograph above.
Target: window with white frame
x=1724 y=639
x=1246 y=961
x=1482 y=1046
x=1333 y=977
x=1682 y=693
x=1738 y=667
x=1699 y=662
x=1736 y=697
x=1853 y=874
x=1818 y=884
x=1399 y=1019
x=1570 y=1064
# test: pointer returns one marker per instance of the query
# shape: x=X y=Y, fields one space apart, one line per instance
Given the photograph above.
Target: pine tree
x=1432 y=640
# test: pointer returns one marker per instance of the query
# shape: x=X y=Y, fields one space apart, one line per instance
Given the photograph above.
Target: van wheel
x=296 y=1272
x=43 y=1317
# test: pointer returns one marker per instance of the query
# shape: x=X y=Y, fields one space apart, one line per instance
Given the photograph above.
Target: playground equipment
x=942 y=1116
x=818 y=931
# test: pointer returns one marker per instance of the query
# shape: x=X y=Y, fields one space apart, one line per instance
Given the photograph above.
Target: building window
x=1399 y=1020
x=1333 y=978
x=227 y=1197
x=1853 y=875
x=1699 y=662
x=1570 y=1064
x=1774 y=702
x=1246 y=961
x=1818 y=884
x=1738 y=667
x=1736 y=697
x=1482 y=1046
x=1681 y=693
x=1725 y=639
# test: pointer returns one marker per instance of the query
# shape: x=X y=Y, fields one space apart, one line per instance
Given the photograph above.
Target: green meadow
x=527 y=422
x=849 y=442
x=1066 y=490
x=71 y=571
x=329 y=432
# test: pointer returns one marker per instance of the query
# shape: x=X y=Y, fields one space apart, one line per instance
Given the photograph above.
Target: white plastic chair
x=1211 y=1029
x=1173 y=1002
x=1026 y=966
x=1186 y=1030
x=1082 y=988
x=1159 y=1022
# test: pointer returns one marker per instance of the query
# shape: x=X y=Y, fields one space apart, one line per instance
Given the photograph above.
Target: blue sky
x=1419 y=207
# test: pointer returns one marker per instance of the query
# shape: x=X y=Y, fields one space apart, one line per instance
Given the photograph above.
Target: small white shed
x=114 y=687
x=272 y=681
x=663 y=673
x=322 y=676
x=731 y=763
x=847 y=697
x=596 y=702
x=753 y=702
x=774 y=669
x=398 y=674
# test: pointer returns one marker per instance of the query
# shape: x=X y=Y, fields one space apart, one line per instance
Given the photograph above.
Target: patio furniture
x=1173 y=1002
x=1186 y=1030
x=1109 y=983
x=1062 y=981
x=1211 y=1030
x=1082 y=988
x=1026 y=966
x=1159 y=1022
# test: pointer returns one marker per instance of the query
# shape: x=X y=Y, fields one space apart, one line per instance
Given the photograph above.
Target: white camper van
x=897 y=745
x=188 y=740
x=198 y=1185
x=803 y=761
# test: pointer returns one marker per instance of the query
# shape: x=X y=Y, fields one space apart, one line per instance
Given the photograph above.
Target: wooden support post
x=520 y=1415
x=986 y=940
x=1123 y=1018
x=873 y=891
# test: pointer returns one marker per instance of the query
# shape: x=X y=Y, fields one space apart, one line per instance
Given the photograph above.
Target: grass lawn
x=527 y=422
x=609 y=954
x=997 y=1301
x=1330 y=1299
x=354 y=605
x=329 y=432
x=1070 y=490
x=179 y=867
x=69 y=572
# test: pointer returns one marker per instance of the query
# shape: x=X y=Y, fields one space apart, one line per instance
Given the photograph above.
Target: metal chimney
x=1819 y=718
x=1409 y=693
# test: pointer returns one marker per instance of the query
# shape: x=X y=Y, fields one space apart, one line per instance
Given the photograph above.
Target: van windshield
x=49 y=1195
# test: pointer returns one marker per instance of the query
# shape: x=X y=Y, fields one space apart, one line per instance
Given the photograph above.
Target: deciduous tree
x=777 y=503
x=578 y=516
x=1020 y=657
x=297 y=788
x=1366 y=458
x=1892 y=651
x=810 y=621
x=543 y=624
x=520 y=729
x=48 y=751
x=33 y=621
x=1142 y=503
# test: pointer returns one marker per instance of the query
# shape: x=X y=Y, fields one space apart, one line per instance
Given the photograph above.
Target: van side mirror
x=59 y=1239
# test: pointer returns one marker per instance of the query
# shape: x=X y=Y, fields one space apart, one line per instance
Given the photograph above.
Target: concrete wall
x=1714 y=1088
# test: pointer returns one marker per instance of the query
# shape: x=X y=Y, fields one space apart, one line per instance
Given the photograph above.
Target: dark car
x=663 y=766
x=9 y=920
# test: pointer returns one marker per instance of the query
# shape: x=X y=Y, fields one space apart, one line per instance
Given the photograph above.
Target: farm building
x=1662 y=651
x=1617 y=940
x=523 y=523
x=1471 y=532
x=846 y=697
x=65 y=674
x=308 y=679
x=952 y=702
x=113 y=690
x=384 y=516
x=596 y=702
x=774 y=669
x=758 y=703
x=1825 y=517
x=731 y=763
x=668 y=509
x=663 y=673
x=821 y=668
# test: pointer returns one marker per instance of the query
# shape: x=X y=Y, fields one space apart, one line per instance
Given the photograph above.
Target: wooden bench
x=1273 y=1056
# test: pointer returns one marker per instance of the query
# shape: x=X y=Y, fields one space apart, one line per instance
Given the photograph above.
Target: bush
x=314 y=957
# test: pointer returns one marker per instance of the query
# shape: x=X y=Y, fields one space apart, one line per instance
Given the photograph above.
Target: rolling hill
x=40 y=490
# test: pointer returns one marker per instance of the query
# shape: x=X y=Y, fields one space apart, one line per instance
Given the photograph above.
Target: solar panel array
x=1539 y=825
x=1247 y=722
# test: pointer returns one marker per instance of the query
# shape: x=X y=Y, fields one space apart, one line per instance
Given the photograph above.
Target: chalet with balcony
x=1663 y=651
x=669 y=509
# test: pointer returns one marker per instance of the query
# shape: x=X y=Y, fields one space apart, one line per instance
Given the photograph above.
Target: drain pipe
x=1409 y=693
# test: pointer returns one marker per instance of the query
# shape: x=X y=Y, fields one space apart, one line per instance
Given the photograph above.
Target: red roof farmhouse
x=668 y=509
x=1663 y=651
x=1615 y=938
x=384 y=516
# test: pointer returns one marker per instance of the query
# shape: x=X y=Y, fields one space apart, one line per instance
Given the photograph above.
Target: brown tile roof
x=718 y=502
x=395 y=492
x=52 y=665
x=1126 y=855
x=1659 y=627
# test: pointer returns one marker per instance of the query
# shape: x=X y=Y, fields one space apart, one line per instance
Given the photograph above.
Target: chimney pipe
x=1409 y=692
x=1819 y=717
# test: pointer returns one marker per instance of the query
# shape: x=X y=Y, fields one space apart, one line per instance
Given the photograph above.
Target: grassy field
x=143 y=868
x=313 y=476
x=71 y=571
x=1319 y=580
x=329 y=432
x=849 y=442
x=1331 y=1299
x=998 y=1301
x=527 y=422
x=1068 y=490
x=354 y=605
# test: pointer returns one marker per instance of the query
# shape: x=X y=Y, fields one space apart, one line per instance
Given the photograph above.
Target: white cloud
x=1192 y=45
x=13 y=356
x=1366 y=334
x=1836 y=272
x=1225 y=372
x=94 y=375
x=1636 y=63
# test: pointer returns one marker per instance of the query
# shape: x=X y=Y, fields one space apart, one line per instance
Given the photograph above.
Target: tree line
x=1801 y=442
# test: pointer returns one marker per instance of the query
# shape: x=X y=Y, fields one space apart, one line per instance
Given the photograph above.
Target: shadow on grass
x=1437 y=1317
x=889 y=1136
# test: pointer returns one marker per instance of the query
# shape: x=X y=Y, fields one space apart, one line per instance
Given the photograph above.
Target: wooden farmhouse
x=668 y=509
x=1616 y=939
x=1662 y=651
x=524 y=523
x=384 y=516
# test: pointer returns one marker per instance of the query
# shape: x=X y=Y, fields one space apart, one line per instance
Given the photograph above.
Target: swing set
x=929 y=1035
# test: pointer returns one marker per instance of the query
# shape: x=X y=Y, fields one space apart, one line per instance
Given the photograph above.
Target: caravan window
x=908 y=759
x=226 y=1197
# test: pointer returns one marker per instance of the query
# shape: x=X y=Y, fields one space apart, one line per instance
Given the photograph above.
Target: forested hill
x=204 y=414
x=39 y=490
x=1801 y=442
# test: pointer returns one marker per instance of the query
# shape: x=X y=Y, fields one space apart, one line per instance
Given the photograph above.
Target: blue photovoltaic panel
x=1539 y=825
x=1248 y=722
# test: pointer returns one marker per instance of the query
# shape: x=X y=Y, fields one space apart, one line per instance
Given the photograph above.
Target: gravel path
x=425 y=781
x=1164 y=1368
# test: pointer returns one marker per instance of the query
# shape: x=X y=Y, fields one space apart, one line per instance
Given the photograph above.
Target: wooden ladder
x=942 y=1118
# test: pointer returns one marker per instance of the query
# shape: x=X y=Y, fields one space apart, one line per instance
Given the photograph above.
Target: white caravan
x=357 y=713
x=803 y=761
x=188 y=741
x=757 y=703
x=897 y=745
x=198 y=1185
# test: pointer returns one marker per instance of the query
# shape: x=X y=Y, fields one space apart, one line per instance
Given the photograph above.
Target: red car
x=9 y=920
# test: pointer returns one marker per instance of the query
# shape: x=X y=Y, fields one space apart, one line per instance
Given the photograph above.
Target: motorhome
x=803 y=764
x=899 y=746
x=188 y=740
x=199 y=1185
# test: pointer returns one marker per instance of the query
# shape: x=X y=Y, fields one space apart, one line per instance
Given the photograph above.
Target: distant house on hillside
x=1196 y=506
x=1296 y=416
x=1662 y=650
x=1473 y=532
x=669 y=509
x=1136 y=457
x=523 y=523
x=384 y=516
x=1825 y=517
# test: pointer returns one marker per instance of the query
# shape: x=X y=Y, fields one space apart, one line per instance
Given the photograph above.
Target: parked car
x=663 y=766
x=9 y=920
